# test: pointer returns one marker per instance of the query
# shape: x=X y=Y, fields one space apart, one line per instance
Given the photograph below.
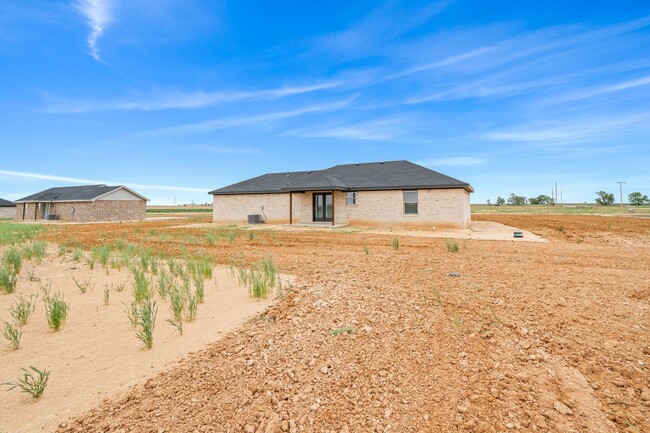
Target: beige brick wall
x=234 y=209
x=7 y=212
x=110 y=210
x=442 y=208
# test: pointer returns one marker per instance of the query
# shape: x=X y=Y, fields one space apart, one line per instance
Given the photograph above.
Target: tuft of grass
x=342 y=330
x=177 y=303
x=33 y=382
x=260 y=278
x=62 y=250
x=396 y=244
x=178 y=325
x=39 y=249
x=8 y=280
x=366 y=250
x=12 y=333
x=146 y=322
x=560 y=228
x=251 y=236
x=141 y=288
x=132 y=312
x=56 y=310
x=12 y=260
x=45 y=289
x=452 y=246
x=22 y=310
x=83 y=285
x=77 y=254
x=199 y=285
x=120 y=287
x=90 y=261
x=102 y=254
x=192 y=306
x=30 y=274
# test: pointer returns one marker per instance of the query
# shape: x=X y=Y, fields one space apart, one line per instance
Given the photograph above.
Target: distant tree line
x=602 y=198
x=519 y=200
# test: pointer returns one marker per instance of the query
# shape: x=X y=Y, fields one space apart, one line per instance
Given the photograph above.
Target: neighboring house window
x=410 y=202
x=351 y=198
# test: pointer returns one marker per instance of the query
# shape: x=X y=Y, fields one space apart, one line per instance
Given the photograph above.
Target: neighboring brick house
x=7 y=209
x=395 y=193
x=87 y=203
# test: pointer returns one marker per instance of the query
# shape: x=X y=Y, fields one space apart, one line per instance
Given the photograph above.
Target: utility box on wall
x=254 y=219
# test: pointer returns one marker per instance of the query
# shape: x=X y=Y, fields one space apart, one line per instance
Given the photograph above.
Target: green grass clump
x=102 y=254
x=199 y=286
x=396 y=244
x=12 y=333
x=176 y=303
x=141 y=287
x=22 y=310
x=260 y=278
x=56 y=310
x=8 y=280
x=452 y=246
x=146 y=321
x=12 y=260
x=33 y=382
x=77 y=254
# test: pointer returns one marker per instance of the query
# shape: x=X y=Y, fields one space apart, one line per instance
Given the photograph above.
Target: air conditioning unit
x=254 y=219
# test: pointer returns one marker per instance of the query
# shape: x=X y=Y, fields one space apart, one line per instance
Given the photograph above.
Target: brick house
x=87 y=203
x=7 y=209
x=394 y=193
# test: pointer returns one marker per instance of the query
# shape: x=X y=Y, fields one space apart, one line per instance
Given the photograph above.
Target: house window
x=351 y=198
x=410 y=202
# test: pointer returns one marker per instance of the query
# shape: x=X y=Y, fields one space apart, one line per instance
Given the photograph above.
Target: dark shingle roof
x=6 y=203
x=73 y=193
x=348 y=177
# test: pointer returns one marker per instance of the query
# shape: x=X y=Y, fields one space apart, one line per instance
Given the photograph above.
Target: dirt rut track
x=530 y=337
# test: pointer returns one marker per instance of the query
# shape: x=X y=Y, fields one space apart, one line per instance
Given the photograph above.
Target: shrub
x=12 y=260
x=396 y=244
x=8 y=280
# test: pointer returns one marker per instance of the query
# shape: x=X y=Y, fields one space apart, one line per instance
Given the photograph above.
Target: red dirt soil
x=530 y=337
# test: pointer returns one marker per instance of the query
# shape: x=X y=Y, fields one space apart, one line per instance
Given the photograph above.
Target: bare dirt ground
x=500 y=336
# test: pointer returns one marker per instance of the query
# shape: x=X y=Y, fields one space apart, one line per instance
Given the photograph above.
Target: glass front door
x=322 y=207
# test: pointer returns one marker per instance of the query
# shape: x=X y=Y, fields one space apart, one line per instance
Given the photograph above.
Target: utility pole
x=555 y=192
x=561 y=201
x=620 y=184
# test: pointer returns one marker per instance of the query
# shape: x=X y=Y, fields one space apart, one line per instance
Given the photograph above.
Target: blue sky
x=178 y=97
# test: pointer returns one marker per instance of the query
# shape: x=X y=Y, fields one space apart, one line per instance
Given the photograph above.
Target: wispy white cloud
x=258 y=119
x=99 y=15
x=170 y=100
x=452 y=161
x=557 y=134
x=603 y=90
x=394 y=128
x=27 y=175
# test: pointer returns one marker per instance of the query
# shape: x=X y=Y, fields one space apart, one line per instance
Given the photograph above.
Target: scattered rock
x=562 y=408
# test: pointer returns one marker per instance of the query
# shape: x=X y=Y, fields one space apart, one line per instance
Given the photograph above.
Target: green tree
x=604 y=198
x=637 y=199
x=516 y=200
x=500 y=201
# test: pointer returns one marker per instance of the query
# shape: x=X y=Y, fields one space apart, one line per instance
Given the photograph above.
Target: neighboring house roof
x=75 y=194
x=348 y=177
x=6 y=203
